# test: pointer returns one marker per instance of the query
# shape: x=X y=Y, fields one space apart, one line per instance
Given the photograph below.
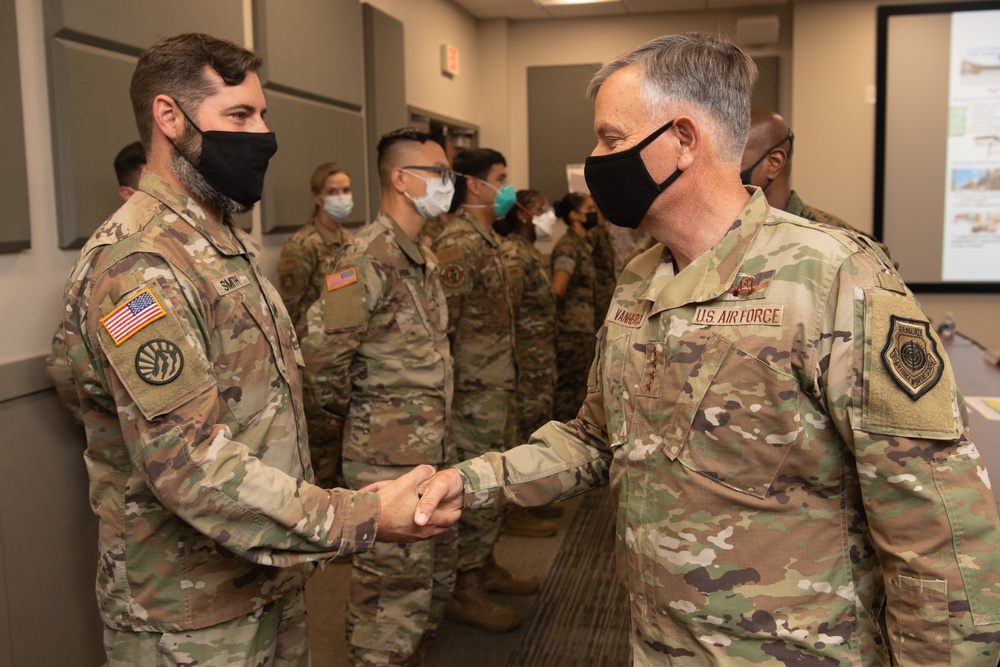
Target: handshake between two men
x=418 y=505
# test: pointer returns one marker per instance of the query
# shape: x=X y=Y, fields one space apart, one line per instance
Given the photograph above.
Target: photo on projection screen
x=937 y=153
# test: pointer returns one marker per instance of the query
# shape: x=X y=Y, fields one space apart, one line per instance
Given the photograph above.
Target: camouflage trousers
x=274 y=635
x=398 y=591
x=481 y=422
x=574 y=355
x=536 y=387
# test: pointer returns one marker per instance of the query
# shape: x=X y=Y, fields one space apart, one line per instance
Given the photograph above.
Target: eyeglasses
x=445 y=173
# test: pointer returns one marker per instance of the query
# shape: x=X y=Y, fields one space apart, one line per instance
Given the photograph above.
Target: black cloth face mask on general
x=234 y=163
x=621 y=185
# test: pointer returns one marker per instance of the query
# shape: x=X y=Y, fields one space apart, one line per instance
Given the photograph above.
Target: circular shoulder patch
x=159 y=361
x=453 y=275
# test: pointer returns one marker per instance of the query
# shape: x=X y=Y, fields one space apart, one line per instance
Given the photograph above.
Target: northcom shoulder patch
x=911 y=356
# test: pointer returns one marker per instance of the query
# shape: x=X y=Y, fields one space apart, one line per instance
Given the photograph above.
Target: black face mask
x=621 y=185
x=234 y=163
x=747 y=173
x=590 y=220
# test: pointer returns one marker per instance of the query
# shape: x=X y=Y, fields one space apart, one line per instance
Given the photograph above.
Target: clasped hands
x=418 y=505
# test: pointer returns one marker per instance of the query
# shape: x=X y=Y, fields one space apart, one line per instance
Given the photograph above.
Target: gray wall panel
x=136 y=25
x=92 y=120
x=49 y=538
x=385 y=85
x=560 y=124
x=15 y=232
x=312 y=48
x=309 y=133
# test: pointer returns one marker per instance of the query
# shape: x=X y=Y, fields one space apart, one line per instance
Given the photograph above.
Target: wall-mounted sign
x=449 y=60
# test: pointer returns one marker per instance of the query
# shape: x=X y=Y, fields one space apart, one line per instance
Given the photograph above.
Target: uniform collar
x=410 y=248
x=329 y=235
x=711 y=273
x=488 y=234
x=795 y=205
x=221 y=231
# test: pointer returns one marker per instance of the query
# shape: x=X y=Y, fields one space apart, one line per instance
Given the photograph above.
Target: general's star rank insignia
x=911 y=356
x=159 y=361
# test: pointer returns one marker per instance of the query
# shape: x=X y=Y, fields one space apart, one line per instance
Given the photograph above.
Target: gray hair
x=711 y=73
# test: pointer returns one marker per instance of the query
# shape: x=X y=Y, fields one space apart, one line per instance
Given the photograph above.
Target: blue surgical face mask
x=338 y=207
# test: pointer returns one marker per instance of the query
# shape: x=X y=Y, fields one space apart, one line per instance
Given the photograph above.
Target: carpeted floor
x=581 y=616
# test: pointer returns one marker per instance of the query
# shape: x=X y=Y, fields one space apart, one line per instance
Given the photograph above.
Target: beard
x=187 y=149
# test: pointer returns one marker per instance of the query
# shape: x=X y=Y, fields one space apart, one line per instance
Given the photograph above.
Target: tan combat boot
x=497 y=579
x=547 y=511
x=469 y=605
x=522 y=522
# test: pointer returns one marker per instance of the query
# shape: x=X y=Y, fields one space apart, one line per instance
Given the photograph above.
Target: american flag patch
x=132 y=315
x=338 y=280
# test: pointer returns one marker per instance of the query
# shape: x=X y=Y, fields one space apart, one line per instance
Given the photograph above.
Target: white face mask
x=544 y=224
x=436 y=200
x=338 y=207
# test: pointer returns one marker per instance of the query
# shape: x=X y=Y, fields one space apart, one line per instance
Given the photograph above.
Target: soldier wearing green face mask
x=484 y=411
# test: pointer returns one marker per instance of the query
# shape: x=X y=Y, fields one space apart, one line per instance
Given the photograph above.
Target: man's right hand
x=442 y=493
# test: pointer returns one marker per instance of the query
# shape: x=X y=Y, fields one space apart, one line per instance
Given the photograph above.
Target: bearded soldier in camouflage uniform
x=484 y=414
x=187 y=370
x=782 y=434
x=377 y=356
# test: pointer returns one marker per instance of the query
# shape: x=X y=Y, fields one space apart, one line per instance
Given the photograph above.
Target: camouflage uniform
x=58 y=369
x=534 y=329
x=188 y=376
x=377 y=357
x=796 y=206
x=303 y=265
x=481 y=331
x=781 y=497
x=605 y=275
x=574 y=323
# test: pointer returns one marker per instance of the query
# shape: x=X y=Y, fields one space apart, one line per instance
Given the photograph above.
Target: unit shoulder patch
x=911 y=356
x=159 y=361
x=453 y=275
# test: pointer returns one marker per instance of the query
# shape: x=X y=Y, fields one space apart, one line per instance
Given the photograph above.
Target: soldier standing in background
x=305 y=259
x=787 y=450
x=534 y=339
x=484 y=412
x=767 y=163
x=377 y=360
x=574 y=281
x=307 y=253
x=188 y=375
x=605 y=275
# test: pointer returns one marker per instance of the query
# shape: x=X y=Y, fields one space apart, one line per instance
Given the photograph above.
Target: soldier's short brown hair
x=175 y=66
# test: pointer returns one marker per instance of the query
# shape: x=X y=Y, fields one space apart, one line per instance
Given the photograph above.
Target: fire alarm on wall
x=449 y=60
